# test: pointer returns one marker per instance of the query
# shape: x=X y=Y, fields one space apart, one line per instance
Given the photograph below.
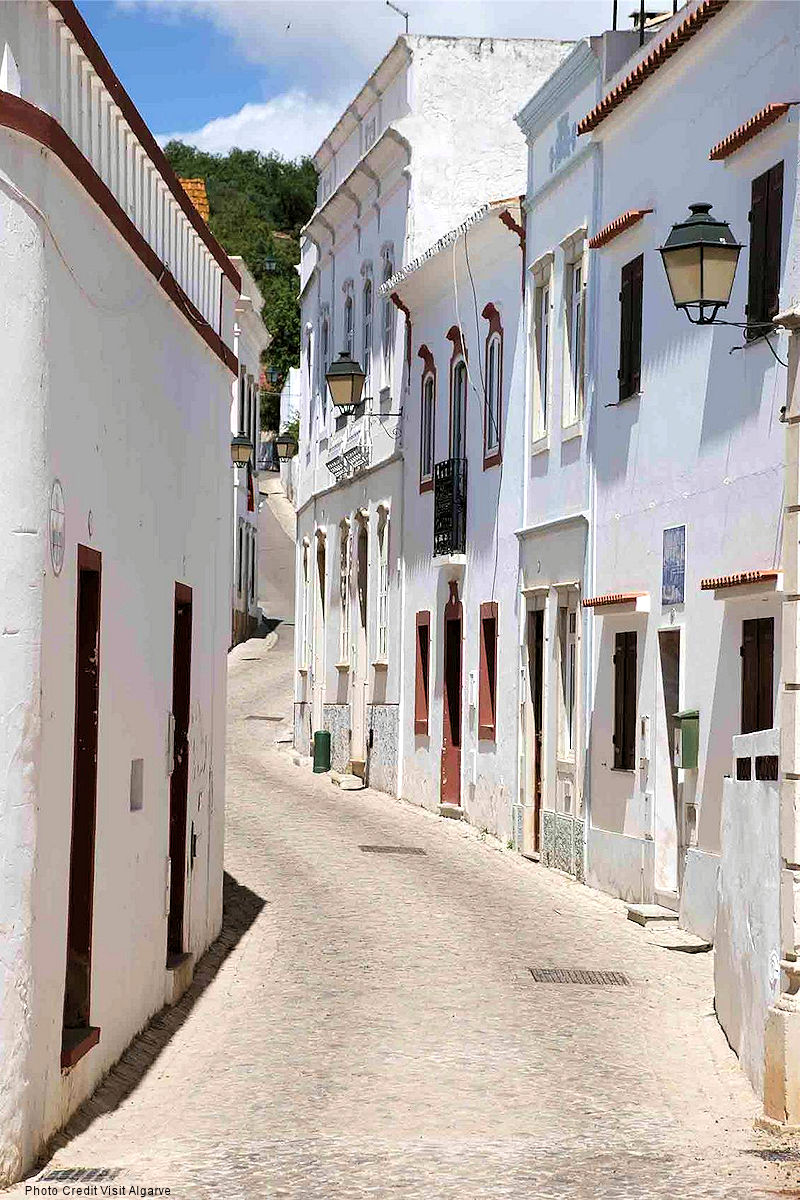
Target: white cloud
x=292 y=124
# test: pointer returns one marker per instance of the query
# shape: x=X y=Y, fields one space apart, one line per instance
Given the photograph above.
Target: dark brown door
x=179 y=780
x=536 y=684
x=77 y=991
x=451 y=701
x=669 y=649
x=757 y=667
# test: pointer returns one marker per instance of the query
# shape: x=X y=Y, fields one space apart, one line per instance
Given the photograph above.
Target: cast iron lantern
x=346 y=381
x=241 y=449
x=700 y=257
x=286 y=445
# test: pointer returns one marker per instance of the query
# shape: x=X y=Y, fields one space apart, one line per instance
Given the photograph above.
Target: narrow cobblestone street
x=368 y=1026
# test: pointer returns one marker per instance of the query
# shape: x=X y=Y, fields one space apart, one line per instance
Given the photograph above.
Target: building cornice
x=396 y=457
x=346 y=189
x=400 y=53
x=577 y=70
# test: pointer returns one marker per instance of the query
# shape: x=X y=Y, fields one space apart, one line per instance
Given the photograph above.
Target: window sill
x=541 y=445
x=575 y=430
x=425 y=485
x=623 y=770
x=626 y=399
x=75 y=1043
x=381 y=664
x=566 y=763
x=492 y=460
x=342 y=666
x=302 y=670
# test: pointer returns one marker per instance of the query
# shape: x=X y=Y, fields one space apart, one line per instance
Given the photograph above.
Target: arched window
x=344 y=592
x=387 y=336
x=493 y=401
x=324 y=353
x=427 y=420
x=383 y=585
x=367 y=339
x=349 y=341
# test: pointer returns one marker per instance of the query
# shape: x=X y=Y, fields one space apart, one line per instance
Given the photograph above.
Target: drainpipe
x=782 y=1033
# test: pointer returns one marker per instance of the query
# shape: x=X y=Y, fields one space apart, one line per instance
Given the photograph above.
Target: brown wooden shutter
x=772 y=265
x=487 y=674
x=758 y=653
x=625 y=701
x=756 y=307
x=630 y=333
x=422 y=677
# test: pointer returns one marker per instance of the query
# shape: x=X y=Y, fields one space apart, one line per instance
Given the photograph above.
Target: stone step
x=358 y=767
x=351 y=783
x=650 y=914
x=454 y=811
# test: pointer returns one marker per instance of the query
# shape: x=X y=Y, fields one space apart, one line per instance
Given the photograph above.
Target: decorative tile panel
x=383 y=724
x=563 y=844
x=336 y=719
x=548 y=847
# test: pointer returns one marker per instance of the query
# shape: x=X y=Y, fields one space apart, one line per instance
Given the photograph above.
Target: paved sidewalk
x=368 y=1025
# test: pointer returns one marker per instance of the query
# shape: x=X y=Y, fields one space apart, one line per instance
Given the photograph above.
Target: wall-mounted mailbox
x=687 y=738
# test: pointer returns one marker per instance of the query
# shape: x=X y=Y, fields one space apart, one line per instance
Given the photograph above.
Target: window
x=493 y=365
x=764 y=278
x=542 y=306
x=252 y=566
x=387 y=336
x=630 y=328
x=383 y=586
x=323 y=362
x=567 y=652
x=344 y=593
x=458 y=411
x=487 y=674
x=367 y=339
x=625 y=701
x=349 y=341
x=370 y=128
x=422 y=674
x=575 y=307
x=426 y=427
x=242 y=428
x=757 y=653
x=305 y=648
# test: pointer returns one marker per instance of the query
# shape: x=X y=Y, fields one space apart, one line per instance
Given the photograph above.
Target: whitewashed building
x=250 y=339
x=116 y=371
x=428 y=138
x=688 y=474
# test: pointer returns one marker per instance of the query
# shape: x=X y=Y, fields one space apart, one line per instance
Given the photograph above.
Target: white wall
x=107 y=387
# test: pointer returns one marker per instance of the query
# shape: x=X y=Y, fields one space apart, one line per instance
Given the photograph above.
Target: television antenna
x=398 y=10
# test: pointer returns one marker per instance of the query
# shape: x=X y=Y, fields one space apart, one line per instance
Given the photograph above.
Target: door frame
x=179 y=775
x=360 y=673
x=450 y=775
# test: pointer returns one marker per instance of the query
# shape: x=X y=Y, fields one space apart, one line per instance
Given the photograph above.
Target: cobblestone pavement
x=367 y=1025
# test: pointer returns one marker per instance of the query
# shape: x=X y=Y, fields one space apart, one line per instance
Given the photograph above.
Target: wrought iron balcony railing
x=450 y=506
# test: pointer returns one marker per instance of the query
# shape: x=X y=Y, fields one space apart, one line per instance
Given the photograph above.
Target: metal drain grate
x=392 y=849
x=598 y=978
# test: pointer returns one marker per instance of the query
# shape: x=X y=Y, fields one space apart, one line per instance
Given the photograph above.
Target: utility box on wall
x=687 y=738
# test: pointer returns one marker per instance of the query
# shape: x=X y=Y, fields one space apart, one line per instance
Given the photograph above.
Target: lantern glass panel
x=683 y=272
x=719 y=268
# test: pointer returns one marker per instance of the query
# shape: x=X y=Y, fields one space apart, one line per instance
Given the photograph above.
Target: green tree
x=253 y=197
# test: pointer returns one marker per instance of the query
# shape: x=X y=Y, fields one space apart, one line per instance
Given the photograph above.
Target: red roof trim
x=681 y=34
x=85 y=39
x=613 y=598
x=617 y=226
x=745 y=132
x=715 y=582
x=40 y=127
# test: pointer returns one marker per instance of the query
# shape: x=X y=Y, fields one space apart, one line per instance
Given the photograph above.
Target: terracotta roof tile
x=613 y=598
x=196 y=191
x=617 y=226
x=764 y=117
x=714 y=582
x=668 y=46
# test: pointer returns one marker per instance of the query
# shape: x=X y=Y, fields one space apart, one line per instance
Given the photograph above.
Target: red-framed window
x=422 y=673
x=493 y=389
x=487 y=674
x=459 y=384
x=427 y=420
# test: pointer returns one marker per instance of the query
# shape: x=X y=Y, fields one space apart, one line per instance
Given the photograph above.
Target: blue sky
x=275 y=74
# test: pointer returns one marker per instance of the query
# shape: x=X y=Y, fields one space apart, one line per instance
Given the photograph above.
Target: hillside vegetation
x=252 y=198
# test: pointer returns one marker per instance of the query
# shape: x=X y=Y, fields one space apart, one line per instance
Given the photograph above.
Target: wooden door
x=535 y=740
x=669 y=648
x=179 y=779
x=451 y=700
x=77 y=990
x=758 y=654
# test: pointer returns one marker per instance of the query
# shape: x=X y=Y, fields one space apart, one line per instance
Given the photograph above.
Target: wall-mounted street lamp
x=286 y=445
x=346 y=382
x=700 y=257
x=241 y=449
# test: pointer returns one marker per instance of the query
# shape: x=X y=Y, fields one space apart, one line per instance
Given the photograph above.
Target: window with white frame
x=349 y=341
x=305 y=653
x=324 y=341
x=344 y=592
x=252 y=566
x=540 y=356
x=240 y=558
x=575 y=311
x=458 y=411
x=366 y=338
x=427 y=418
x=383 y=585
x=567 y=696
x=494 y=352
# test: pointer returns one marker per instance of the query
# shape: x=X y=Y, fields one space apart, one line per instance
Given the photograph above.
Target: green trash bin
x=322 y=751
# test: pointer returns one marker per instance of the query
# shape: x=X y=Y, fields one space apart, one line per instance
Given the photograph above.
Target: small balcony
x=450 y=507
